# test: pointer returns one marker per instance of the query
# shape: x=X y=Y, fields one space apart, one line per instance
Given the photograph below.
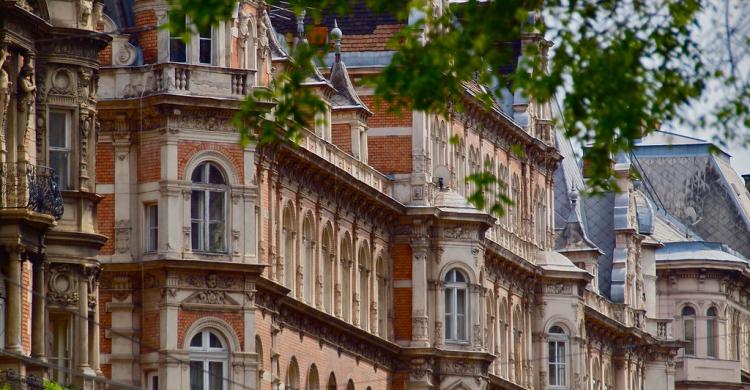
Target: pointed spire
x=573 y=194
x=336 y=34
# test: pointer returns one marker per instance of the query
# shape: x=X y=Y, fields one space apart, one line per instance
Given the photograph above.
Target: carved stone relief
x=62 y=287
x=122 y=236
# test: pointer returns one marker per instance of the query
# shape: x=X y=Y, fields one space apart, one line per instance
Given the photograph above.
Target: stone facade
x=48 y=238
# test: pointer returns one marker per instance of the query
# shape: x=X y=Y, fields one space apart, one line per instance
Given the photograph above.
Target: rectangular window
x=710 y=335
x=60 y=342
x=177 y=47
x=59 y=146
x=204 y=41
x=152 y=227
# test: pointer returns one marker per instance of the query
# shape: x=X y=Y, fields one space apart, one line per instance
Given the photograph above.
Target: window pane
x=552 y=375
x=214 y=175
x=177 y=52
x=58 y=160
x=552 y=352
x=213 y=341
x=216 y=206
x=448 y=301
x=461 y=301
x=197 y=176
x=216 y=237
x=215 y=370
x=689 y=337
x=57 y=130
x=197 y=340
x=196 y=375
x=205 y=51
x=196 y=234
x=152 y=215
x=196 y=205
x=710 y=337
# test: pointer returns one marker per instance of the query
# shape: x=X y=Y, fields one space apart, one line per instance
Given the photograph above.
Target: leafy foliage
x=620 y=68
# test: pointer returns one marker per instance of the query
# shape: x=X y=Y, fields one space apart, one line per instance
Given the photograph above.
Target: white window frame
x=207 y=354
x=452 y=287
x=152 y=224
x=152 y=380
x=207 y=189
x=711 y=333
x=558 y=341
x=66 y=149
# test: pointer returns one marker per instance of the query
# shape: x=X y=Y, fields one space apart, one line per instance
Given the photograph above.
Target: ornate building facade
x=48 y=236
x=351 y=259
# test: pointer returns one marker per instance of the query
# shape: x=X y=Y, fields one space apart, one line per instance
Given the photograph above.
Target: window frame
x=210 y=41
x=207 y=189
x=712 y=316
x=206 y=355
x=689 y=349
x=181 y=41
x=451 y=291
x=151 y=244
x=67 y=149
x=557 y=341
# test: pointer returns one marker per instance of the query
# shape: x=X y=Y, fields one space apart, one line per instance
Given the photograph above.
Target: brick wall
x=186 y=318
x=105 y=163
x=105 y=322
x=105 y=56
x=341 y=134
x=149 y=164
x=390 y=154
x=150 y=330
x=308 y=351
x=376 y=41
x=26 y=306
x=233 y=151
x=147 y=39
x=402 y=270
x=105 y=222
x=382 y=116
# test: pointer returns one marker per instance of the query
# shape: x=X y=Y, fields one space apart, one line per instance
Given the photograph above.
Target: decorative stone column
x=38 y=309
x=13 y=313
x=419 y=247
x=83 y=323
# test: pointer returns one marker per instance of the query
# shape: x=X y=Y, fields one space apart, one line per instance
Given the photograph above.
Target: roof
x=452 y=201
x=554 y=261
x=698 y=250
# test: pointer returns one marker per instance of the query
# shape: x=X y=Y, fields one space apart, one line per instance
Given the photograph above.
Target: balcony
x=176 y=79
x=30 y=187
x=346 y=162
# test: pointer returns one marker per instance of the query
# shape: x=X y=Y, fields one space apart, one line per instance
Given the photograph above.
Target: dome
x=450 y=200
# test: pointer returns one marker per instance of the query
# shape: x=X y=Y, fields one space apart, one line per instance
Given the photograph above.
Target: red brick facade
x=147 y=39
x=341 y=134
x=149 y=161
x=186 y=318
x=390 y=154
x=105 y=163
x=105 y=222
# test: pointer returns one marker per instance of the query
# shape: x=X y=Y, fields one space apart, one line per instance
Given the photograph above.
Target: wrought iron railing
x=31 y=187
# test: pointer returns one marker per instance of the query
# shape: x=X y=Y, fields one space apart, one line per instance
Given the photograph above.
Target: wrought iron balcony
x=31 y=187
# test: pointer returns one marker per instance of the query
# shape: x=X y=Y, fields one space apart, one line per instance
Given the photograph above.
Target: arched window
x=292 y=376
x=504 y=328
x=328 y=270
x=518 y=344
x=456 y=306
x=364 y=286
x=331 y=382
x=607 y=378
x=208 y=361
x=557 y=359
x=313 y=383
x=259 y=353
x=382 y=297
x=346 y=278
x=208 y=209
x=711 y=333
x=350 y=385
x=515 y=222
x=596 y=376
x=688 y=325
x=287 y=238
x=308 y=268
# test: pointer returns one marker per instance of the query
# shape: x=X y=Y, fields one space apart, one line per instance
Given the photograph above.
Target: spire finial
x=301 y=26
x=336 y=34
x=573 y=195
